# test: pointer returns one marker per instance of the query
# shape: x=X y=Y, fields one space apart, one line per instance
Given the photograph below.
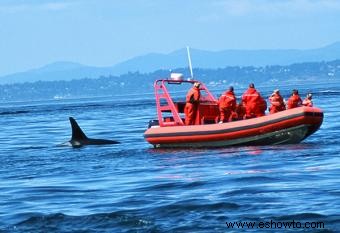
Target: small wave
x=14 y=112
x=160 y=187
x=196 y=205
x=251 y=179
x=329 y=92
x=101 y=222
x=32 y=148
x=301 y=216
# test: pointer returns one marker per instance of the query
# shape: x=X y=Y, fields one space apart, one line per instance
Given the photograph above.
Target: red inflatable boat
x=169 y=130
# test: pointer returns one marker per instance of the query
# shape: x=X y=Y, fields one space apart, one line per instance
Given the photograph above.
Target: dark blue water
x=132 y=187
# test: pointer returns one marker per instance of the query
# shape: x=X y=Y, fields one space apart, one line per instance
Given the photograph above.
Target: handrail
x=161 y=92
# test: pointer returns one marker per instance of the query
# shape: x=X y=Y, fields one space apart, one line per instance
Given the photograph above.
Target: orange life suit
x=227 y=105
x=191 y=105
x=294 y=101
x=255 y=105
x=277 y=103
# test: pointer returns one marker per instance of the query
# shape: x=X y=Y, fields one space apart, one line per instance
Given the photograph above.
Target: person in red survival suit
x=227 y=105
x=192 y=103
x=254 y=103
x=308 y=100
x=276 y=101
x=294 y=100
x=240 y=111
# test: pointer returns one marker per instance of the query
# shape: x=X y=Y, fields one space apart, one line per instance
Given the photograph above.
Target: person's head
x=197 y=84
x=251 y=85
x=309 y=96
x=276 y=91
x=295 y=92
x=231 y=88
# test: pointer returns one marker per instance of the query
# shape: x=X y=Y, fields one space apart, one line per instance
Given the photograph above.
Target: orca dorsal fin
x=77 y=133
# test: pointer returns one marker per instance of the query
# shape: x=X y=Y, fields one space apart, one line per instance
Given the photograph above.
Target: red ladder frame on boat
x=161 y=92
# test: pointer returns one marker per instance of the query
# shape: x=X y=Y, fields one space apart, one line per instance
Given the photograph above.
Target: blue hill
x=221 y=59
x=177 y=59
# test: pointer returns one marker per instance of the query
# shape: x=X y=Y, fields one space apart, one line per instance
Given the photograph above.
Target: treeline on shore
x=138 y=83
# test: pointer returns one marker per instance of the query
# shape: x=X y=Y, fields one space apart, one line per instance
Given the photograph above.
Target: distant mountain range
x=177 y=59
x=306 y=74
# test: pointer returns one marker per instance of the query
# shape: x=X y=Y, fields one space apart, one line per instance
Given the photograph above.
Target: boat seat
x=209 y=113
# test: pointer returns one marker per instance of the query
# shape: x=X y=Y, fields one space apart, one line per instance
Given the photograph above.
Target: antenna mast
x=190 y=66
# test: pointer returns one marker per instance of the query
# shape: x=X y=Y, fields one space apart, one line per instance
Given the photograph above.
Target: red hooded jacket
x=255 y=105
x=227 y=105
x=227 y=100
x=277 y=103
x=294 y=101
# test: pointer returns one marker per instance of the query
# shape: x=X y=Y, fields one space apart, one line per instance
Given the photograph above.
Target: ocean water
x=132 y=187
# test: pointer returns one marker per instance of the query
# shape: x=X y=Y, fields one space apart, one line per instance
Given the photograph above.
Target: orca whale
x=79 y=138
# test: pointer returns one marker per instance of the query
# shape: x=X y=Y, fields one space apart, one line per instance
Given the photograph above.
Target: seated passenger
x=308 y=101
x=227 y=105
x=262 y=106
x=294 y=100
x=276 y=101
x=240 y=112
x=255 y=105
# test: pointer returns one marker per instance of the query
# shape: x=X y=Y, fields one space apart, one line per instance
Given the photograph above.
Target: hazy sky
x=104 y=32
